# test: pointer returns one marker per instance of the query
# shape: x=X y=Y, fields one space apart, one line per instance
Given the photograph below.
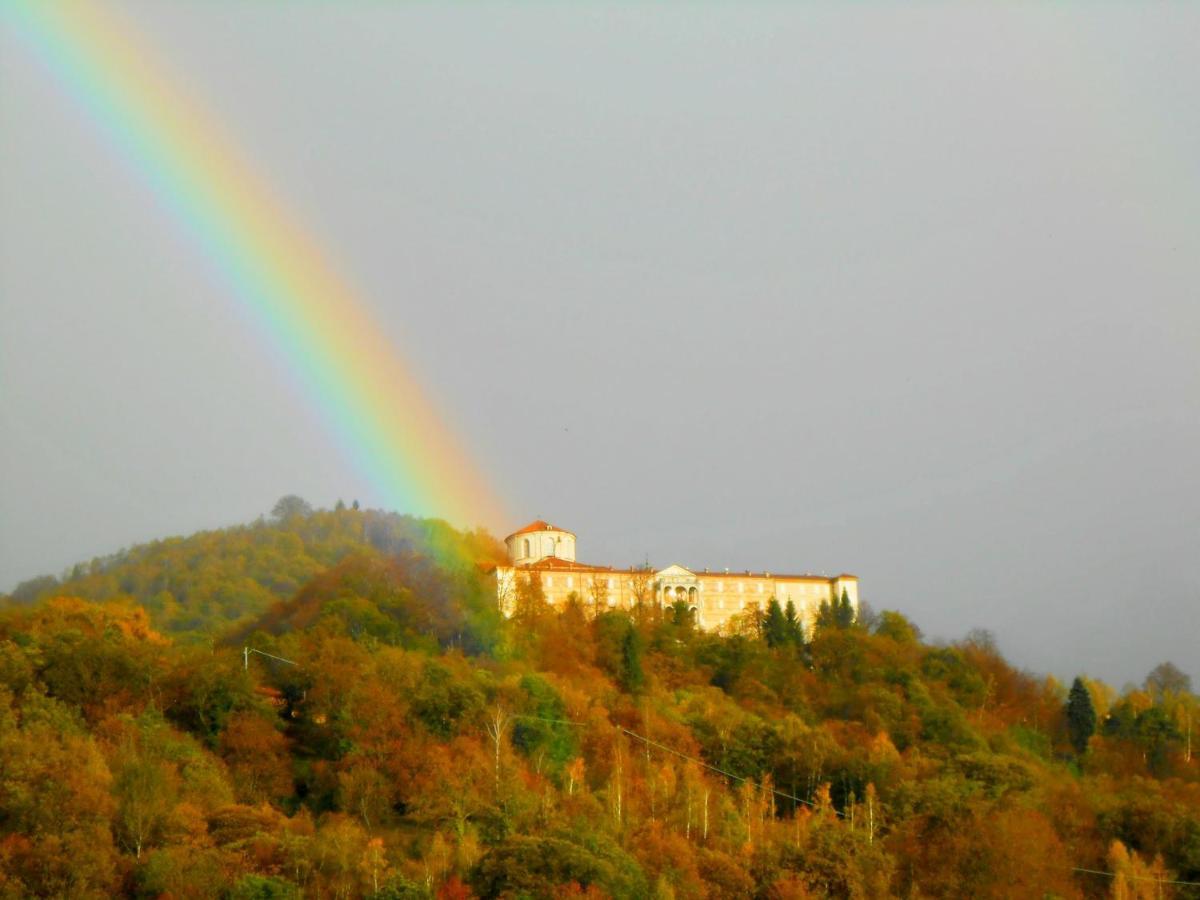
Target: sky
x=904 y=291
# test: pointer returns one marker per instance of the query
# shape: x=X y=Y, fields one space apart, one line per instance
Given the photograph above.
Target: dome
x=539 y=540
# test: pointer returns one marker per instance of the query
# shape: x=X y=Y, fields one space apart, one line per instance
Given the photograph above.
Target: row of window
x=549 y=548
x=720 y=586
x=718 y=604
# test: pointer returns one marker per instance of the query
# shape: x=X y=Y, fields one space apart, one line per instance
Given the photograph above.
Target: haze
x=909 y=292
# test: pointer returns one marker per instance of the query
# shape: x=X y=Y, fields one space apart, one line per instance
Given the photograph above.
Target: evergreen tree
x=775 y=630
x=825 y=615
x=843 y=611
x=795 y=628
x=632 y=676
x=1081 y=716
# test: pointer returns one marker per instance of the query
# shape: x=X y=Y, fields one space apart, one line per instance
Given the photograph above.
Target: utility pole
x=246 y=651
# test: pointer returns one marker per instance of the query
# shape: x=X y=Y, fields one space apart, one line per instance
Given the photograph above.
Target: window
x=720 y=587
x=526 y=555
x=549 y=580
x=570 y=582
x=760 y=587
x=550 y=546
x=741 y=588
x=610 y=584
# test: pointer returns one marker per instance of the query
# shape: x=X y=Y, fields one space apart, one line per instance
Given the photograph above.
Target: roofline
x=525 y=530
x=591 y=567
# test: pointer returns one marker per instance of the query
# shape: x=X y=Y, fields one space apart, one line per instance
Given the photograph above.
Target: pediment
x=676 y=572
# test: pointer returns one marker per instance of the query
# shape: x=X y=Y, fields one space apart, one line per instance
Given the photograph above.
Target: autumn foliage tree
x=418 y=744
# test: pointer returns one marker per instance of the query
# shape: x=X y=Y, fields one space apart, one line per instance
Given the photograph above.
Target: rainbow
x=375 y=410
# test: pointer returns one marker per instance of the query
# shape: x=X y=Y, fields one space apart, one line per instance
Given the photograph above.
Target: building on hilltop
x=544 y=551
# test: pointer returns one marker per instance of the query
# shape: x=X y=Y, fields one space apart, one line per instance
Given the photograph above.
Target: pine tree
x=795 y=628
x=844 y=611
x=1081 y=716
x=775 y=625
x=632 y=676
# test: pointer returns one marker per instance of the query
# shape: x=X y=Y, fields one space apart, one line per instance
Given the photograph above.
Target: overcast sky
x=906 y=291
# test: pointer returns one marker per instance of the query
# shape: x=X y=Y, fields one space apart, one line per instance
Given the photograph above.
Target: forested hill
x=214 y=581
x=394 y=737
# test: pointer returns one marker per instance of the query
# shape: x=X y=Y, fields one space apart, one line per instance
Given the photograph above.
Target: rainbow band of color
x=377 y=413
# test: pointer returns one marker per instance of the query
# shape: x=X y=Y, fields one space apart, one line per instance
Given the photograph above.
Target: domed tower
x=538 y=540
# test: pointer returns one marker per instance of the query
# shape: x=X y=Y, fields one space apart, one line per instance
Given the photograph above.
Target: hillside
x=213 y=581
x=401 y=740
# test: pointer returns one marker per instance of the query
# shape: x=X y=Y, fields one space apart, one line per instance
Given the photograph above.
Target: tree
x=632 y=676
x=28 y=591
x=529 y=606
x=641 y=585
x=825 y=615
x=146 y=795
x=598 y=594
x=1081 y=716
x=290 y=507
x=843 y=613
x=1166 y=680
x=775 y=626
x=257 y=756
x=794 y=627
x=894 y=625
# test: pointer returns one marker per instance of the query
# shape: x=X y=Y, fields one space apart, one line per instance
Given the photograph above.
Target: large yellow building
x=544 y=551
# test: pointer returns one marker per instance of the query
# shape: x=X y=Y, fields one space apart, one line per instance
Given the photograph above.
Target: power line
x=720 y=771
x=544 y=719
x=681 y=755
x=1137 y=877
x=246 y=651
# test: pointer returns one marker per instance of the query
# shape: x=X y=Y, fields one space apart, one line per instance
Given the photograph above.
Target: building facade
x=545 y=552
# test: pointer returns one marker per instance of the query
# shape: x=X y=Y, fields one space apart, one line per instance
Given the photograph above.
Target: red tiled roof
x=554 y=564
x=540 y=525
x=773 y=576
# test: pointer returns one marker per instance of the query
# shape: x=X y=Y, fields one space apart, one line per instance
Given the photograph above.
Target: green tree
x=145 y=794
x=632 y=676
x=775 y=626
x=291 y=507
x=794 y=627
x=826 y=617
x=894 y=625
x=1081 y=716
x=843 y=611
